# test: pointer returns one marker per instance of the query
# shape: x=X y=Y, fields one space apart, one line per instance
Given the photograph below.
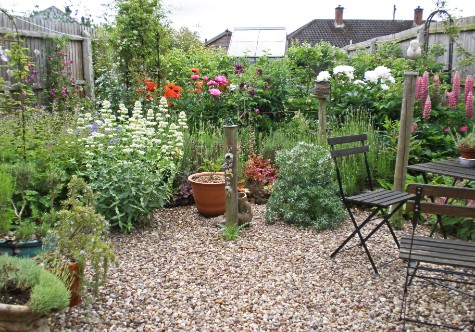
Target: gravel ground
x=178 y=274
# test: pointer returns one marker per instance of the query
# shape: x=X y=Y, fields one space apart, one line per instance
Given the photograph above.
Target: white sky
x=211 y=17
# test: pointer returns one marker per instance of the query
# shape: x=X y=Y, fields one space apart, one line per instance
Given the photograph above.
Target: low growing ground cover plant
x=306 y=193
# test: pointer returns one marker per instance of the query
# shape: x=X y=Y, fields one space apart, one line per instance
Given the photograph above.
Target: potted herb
x=27 y=293
x=465 y=142
x=22 y=227
x=82 y=236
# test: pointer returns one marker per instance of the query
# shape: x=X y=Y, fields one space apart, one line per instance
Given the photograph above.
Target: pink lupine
x=468 y=88
x=427 y=108
x=469 y=105
x=456 y=86
x=424 y=87
x=452 y=100
x=418 y=87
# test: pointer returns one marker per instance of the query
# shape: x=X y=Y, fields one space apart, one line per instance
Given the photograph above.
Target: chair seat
x=381 y=198
x=438 y=251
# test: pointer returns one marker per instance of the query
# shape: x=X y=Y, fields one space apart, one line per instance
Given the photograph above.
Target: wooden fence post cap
x=411 y=73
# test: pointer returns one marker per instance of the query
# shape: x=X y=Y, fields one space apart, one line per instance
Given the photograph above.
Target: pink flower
x=446 y=129
x=414 y=127
x=427 y=108
x=452 y=100
x=456 y=86
x=205 y=78
x=257 y=111
x=418 y=87
x=436 y=93
x=469 y=105
x=221 y=79
x=468 y=88
x=212 y=82
x=215 y=92
x=463 y=129
x=194 y=77
x=424 y=88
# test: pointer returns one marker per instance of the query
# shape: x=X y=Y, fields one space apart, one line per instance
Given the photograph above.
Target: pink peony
x=463 y=129
x=212 y=82
x=194 y=77
x=215 y=92
x=221 y=79
x=427 y=108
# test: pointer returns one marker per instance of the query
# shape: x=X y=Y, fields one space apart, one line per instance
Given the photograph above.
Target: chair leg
x=362 y=240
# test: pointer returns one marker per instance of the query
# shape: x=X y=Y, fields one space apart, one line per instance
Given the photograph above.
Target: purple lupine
x=468 y=88
x=469 y=105
x=418 y=87
x=427 y=108
x=456 y=86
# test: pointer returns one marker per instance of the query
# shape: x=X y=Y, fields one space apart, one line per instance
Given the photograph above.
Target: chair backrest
x=449 y=194
x=343 y=146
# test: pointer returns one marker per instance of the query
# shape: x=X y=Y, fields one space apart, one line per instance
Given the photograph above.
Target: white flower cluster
x=381 y=75
x=345 y=70
x=137 y=138
x=323 y=76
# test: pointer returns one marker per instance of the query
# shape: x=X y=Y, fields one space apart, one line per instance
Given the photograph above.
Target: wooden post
x=407 y=114
x=322 y=115
x=230 y=173
x=322 y=91
x=87 y=65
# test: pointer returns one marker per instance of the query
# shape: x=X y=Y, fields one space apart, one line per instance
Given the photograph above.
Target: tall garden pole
x=230 y=174
x=322 y=91
x=407 y=114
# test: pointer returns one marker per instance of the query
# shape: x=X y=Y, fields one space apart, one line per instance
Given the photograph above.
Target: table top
x=450 y=168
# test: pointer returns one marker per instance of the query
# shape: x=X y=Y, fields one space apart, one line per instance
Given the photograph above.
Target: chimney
x=418 y=15
x=339 y=16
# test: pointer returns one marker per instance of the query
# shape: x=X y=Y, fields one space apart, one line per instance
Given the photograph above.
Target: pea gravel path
x=178 y=274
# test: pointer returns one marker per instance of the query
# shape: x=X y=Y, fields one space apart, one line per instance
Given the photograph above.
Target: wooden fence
x=37 y=35
x=466 y=39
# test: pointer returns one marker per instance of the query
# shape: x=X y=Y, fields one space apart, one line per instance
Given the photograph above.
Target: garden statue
x=414 y=51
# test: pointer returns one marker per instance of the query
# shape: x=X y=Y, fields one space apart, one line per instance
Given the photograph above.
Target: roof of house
x=350 y=32
x=53 y=13
x=215 y=38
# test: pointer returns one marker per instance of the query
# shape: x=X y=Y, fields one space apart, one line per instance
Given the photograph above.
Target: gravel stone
x=179 y=274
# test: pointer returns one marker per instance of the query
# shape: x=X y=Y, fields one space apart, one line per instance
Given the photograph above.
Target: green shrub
x=305 y=192
x=47 y=291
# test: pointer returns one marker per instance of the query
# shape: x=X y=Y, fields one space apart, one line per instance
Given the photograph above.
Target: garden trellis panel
x=37 y=33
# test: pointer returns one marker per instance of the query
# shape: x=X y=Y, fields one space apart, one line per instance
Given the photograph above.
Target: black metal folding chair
x=380 y=200
x=449 y=264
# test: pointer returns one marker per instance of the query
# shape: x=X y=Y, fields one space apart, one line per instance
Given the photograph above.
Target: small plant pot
x=208 y=193
x=21 y=248
x=467 y=152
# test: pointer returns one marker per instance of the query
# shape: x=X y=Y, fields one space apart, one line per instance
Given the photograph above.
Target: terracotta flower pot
x=208 y=193
x=74 y=282
x=467 y=152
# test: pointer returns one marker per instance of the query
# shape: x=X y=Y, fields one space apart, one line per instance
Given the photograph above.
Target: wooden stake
x=322 y=115
x=230 y=173
x=407 y=114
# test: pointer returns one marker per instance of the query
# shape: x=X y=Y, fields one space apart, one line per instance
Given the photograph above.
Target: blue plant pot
x=23 y=249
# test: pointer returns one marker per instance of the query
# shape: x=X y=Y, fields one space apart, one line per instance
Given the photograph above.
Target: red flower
x=195 y=71
x=172 y=91
x=150 y=85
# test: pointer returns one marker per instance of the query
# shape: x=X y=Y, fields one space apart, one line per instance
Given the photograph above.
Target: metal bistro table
x=451 y=168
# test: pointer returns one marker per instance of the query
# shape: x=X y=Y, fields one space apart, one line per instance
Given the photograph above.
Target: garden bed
x=178 y=274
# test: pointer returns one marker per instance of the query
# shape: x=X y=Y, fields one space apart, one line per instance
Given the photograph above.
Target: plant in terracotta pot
x=82 y=236
x=27 y=293
x=465 y=142
x=208 y=189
